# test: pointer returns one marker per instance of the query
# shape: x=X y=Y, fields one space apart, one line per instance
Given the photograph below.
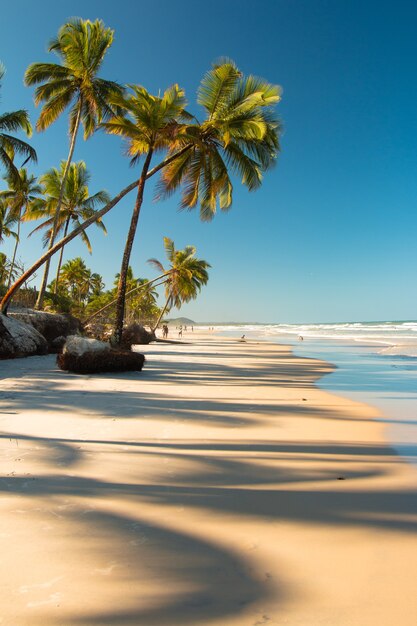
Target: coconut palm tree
x=76 y=278
x=187 y=276
x=76 y=204
x=149 y=125
x=23 y=190
x=10 y=145
x=81 y=46
x=240 y=134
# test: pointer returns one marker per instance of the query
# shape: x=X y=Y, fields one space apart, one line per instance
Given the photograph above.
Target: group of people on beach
x=180 y=328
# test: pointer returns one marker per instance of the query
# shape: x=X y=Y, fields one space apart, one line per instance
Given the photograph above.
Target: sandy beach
x=219 y=486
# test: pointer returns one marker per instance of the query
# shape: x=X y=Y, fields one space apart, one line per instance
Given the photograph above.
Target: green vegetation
x=10 y=146
x=76 y=204
x=239 y=137
x=81 y=46
x=186 y=276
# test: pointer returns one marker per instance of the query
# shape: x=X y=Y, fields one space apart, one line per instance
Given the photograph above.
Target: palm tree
x=76 y=204
x=240 y=136
x=76 y=278
x=187 y=276
x=10 y=145
x=150 y=125
x=22 y=192
x=240 y=133
x=81 y=46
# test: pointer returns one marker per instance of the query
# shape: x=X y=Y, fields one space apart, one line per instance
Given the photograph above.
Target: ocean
x=376 y=363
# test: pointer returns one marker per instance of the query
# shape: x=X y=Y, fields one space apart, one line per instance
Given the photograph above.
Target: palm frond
x=217 y=86
x=157 y=265
x=53 y=109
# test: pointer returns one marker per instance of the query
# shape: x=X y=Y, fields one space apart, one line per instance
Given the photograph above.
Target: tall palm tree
x=149 y=125
x=241 y=133
x=81 y=46
x=187 y=276
x=76 y=204
x=10 y=145
x=22 y=192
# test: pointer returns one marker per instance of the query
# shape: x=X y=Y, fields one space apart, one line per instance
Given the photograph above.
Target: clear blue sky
x=332 y=233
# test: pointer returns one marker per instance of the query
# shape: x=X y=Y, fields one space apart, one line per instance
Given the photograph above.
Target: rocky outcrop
x=135 y=334
x=50 y=325
x=89 y=356
x=19 y=339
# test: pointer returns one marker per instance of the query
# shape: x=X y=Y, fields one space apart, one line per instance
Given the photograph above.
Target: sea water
x=376 y=363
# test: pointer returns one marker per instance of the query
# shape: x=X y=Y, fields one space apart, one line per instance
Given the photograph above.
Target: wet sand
x=219 y=486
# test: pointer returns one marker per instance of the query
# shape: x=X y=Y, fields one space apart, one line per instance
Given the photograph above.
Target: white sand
x=203 y=490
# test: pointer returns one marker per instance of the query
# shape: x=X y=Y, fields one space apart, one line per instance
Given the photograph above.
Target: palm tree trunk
x=41 y=295
x=162 y=314
x=81 y=228
x=14 y=253
x=121 y=287
x=58 y=271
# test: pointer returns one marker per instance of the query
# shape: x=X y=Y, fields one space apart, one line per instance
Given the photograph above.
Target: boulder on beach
x=49 y=325
x=135 y=334
x=18 y=339
x=90 y=356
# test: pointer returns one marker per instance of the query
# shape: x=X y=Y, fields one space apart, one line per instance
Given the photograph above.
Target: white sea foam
x=399 y=337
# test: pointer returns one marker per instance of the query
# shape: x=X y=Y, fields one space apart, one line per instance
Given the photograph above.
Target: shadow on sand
x=233 y=478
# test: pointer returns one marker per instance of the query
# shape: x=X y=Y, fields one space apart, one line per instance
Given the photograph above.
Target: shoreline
x=220 y=486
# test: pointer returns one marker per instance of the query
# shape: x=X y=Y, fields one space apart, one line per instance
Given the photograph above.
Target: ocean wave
x=391 y=333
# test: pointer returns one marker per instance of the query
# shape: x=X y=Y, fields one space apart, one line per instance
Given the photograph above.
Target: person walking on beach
x=180 y=331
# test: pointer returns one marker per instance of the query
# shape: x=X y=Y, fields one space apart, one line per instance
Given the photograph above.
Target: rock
x=88 y=356
x=78 y=346
x=50 y=325
x=135 y=334
x=57 y=344
x=19 y=339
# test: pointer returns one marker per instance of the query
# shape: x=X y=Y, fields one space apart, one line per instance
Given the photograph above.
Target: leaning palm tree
x=10 y=145
x=149 y=125
x=81 y=46
x=187 y=276
x=76 y=204
x=23 y=190
x=240 y=135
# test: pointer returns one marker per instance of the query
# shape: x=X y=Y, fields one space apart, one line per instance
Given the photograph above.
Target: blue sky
x=331 y=235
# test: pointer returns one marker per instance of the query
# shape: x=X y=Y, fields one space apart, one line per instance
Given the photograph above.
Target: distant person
x=180 y=331
x=192 y=329
x=164 y=331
